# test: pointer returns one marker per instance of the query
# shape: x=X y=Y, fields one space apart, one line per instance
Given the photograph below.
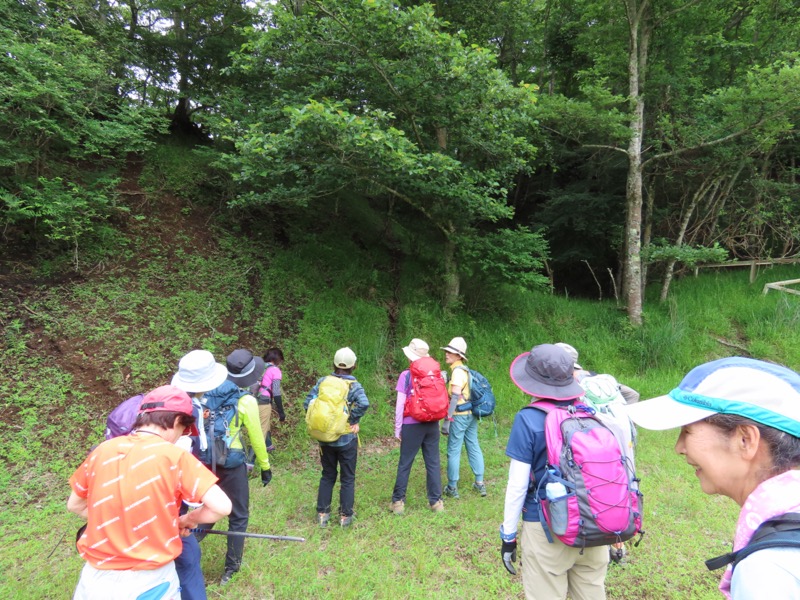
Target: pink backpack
x=592 y=494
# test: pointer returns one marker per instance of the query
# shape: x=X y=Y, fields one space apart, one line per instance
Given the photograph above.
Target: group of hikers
x=151 y=495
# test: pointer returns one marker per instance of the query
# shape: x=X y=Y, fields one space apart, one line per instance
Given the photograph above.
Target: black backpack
x=779 y=532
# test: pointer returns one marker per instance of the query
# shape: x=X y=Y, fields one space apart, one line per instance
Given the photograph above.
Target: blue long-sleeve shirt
x=357 y=402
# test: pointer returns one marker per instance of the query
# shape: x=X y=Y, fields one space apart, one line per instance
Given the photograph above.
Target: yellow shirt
x=459 y=378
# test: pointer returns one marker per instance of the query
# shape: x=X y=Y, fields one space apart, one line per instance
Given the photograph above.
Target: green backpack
x=328 y=413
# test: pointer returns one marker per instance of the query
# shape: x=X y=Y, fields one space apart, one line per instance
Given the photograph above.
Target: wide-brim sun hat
x=168 y=398
x=546 y=372
x=763 y=392
x=244 y=369
x=198 y=372
x=416 y=349
x=457 y=346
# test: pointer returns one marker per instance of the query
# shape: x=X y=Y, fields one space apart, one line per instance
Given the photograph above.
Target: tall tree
x=364 y=98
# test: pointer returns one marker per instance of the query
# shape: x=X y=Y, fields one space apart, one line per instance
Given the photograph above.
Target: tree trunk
x=647 y=236
x=698 y=195
x=181 y=117
x=637 y=63
x=452 y=282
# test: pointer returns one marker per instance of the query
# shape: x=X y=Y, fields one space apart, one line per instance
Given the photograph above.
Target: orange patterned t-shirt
x=134 y=486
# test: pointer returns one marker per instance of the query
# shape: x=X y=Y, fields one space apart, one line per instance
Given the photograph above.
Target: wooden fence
x=754 y=264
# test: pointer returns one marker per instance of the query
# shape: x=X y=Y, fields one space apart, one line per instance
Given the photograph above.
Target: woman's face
x=715 y=457
x=450 y=358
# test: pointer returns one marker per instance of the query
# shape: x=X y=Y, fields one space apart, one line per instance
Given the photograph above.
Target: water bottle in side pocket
x=557 y=506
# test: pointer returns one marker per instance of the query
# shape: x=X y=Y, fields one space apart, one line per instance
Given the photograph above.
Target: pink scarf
x=773 y=497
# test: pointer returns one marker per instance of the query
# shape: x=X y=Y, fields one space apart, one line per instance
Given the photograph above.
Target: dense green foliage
x=570 y=132
x=62 y=127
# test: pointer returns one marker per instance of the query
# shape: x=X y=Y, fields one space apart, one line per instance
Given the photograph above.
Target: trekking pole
x=263 y=536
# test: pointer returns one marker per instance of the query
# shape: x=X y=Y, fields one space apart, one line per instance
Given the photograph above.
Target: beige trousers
x=550 y=571
x=264 y=415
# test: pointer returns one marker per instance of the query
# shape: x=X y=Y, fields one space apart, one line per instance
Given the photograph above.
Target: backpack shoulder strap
x=468 y=371
x=780 y=532
x=543 y=405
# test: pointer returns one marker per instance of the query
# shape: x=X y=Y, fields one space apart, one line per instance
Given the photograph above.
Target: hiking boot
x=480 y=488
x=398 y=507
x=451 y=491
x=226 y=577
x=271 y=448
x=323 y=518
x=437 y=506
x=346 y=521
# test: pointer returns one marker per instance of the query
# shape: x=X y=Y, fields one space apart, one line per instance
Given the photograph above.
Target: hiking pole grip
x=263 y=536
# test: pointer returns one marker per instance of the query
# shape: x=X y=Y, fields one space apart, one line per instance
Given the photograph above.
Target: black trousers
x=345 y=458
x=234 y=483
x=413 y=437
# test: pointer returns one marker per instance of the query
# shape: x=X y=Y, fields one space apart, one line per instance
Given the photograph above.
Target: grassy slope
x=72 y=351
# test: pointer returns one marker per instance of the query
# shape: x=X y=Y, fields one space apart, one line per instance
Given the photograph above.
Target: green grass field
x=71 y=351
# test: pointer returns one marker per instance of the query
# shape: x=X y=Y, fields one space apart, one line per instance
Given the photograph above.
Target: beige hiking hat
x=416 y=348
x=572 y=352
x=457 y=346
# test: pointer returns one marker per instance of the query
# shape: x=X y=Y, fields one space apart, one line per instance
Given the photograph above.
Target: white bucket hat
x=457 y=346
x=199 y=372
x=416 y=348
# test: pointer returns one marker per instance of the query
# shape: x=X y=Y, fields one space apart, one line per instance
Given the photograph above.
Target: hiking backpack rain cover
x=328 y=413
x=428 y=400
x=122 y=418
x=222 y=406
x=602 y=504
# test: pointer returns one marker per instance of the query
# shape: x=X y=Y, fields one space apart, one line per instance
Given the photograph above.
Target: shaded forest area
x=592 y=146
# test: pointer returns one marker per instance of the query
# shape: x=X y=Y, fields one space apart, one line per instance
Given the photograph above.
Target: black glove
x=509 y=553
x=266 y=476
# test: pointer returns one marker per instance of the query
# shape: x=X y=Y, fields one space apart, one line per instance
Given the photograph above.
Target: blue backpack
x=220 y=411
x=481 y=396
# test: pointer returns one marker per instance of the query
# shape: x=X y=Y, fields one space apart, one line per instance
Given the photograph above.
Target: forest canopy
x=534 y=144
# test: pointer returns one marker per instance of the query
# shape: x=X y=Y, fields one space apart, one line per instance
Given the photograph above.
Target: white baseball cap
x=344 y=358
x=763 y=392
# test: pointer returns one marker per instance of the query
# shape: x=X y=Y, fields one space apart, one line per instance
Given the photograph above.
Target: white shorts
x=155 y=584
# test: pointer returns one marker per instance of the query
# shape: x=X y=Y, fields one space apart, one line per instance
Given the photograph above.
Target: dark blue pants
x=193 y=586
x=234 y=483
x=345 y=458
x=414 y=436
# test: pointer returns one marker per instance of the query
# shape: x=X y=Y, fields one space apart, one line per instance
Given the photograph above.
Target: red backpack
x=428 y=400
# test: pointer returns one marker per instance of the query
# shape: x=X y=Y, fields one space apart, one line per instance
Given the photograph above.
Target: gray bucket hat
x=546 y=372
x=244 y=369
